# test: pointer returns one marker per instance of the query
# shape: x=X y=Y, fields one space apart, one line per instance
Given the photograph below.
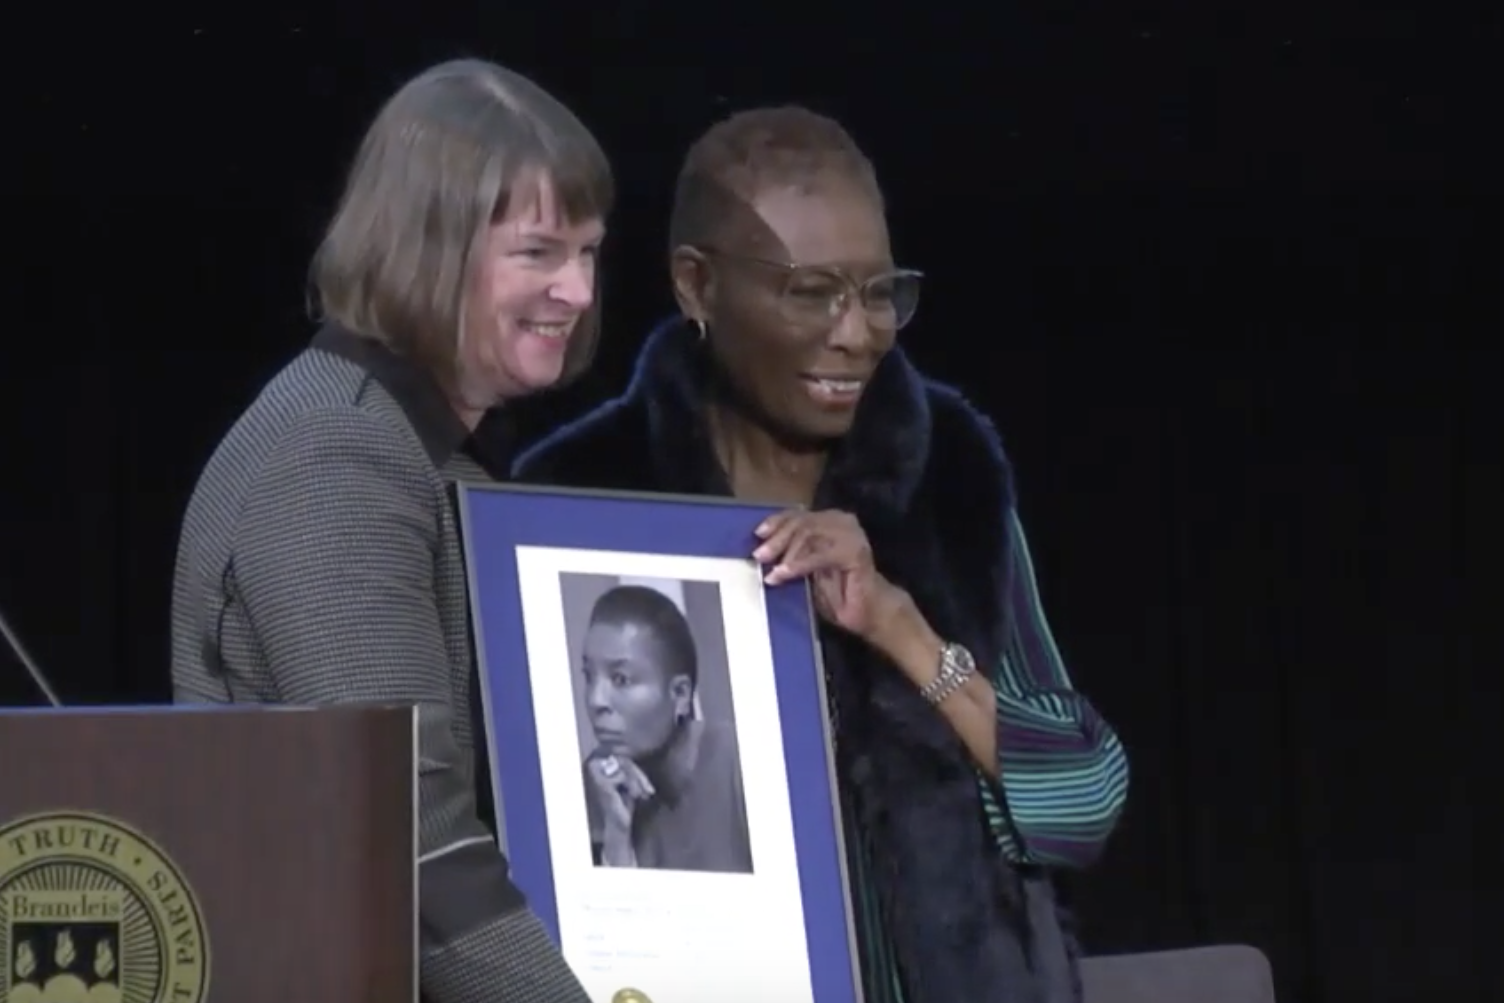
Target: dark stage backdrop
x=1206 y=265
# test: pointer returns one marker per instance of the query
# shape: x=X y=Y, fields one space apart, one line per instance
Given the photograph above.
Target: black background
x=1212 y=267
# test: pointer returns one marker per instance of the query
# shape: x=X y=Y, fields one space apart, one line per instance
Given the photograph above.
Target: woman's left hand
x=831 y=548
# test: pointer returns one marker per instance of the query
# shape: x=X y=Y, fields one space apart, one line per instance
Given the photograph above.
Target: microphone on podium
x=38 y=677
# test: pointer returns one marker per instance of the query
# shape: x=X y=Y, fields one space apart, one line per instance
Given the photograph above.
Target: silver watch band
x=956 y=666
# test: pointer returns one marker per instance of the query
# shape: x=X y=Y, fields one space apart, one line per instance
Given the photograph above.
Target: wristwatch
x=956 y=666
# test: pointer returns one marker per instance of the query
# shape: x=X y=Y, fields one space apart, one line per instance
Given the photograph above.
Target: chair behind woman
x=1232 y=973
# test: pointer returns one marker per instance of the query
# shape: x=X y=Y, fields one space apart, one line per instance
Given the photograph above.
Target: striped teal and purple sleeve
x=1062 y=767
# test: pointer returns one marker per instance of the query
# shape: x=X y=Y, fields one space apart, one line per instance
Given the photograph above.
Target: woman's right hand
x=619 y=785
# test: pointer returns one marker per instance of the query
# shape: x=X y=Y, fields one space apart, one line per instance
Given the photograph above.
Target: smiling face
x=795 y=353
x=634 y=699
x=533 y=280
x=468 y=225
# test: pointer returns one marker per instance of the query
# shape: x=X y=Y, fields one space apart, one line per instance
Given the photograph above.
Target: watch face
x=962 y=658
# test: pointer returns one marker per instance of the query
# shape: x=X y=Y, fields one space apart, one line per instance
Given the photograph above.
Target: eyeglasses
x=817 y=295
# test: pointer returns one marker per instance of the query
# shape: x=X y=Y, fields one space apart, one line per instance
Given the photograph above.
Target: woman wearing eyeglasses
x=969 y=767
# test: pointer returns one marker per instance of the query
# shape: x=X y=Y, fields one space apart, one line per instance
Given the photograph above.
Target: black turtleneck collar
x=438 y=426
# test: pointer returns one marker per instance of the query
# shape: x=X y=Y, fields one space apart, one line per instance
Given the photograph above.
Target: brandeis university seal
x=92 y=912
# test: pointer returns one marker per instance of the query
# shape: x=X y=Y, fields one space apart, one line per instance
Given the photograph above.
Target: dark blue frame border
x=495 y=520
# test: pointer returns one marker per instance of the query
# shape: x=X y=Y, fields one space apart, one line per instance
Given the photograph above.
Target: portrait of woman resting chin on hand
x=663 y=788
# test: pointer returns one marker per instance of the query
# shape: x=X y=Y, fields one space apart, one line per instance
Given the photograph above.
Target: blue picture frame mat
x=495 y=520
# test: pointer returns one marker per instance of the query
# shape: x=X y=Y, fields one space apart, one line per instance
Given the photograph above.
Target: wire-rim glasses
x=816 y=295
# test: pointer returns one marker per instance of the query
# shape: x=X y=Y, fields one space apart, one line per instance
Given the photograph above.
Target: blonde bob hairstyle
x=440 y=164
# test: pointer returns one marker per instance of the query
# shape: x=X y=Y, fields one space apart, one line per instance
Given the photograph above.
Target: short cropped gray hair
x=751 y=150
x=437 y=167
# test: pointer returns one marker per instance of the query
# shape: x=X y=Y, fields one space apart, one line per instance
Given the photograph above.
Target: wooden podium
x=208 y=855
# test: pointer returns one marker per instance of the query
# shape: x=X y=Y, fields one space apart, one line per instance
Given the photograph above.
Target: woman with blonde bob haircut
x=319 y=561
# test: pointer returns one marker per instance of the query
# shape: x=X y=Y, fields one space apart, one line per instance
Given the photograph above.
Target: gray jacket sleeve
x=334 y=561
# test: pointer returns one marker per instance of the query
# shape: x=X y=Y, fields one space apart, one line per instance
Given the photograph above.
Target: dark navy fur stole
x=925 y=474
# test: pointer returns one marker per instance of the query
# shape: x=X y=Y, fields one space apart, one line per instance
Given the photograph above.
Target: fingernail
x=761 y=530
x=761 y=554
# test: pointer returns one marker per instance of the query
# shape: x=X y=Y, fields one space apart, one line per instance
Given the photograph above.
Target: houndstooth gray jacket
x=320 y=563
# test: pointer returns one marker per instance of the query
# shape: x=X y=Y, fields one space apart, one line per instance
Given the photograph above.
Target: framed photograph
x=661 y=760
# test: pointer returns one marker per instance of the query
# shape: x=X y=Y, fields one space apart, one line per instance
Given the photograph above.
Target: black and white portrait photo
x=657 y=725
